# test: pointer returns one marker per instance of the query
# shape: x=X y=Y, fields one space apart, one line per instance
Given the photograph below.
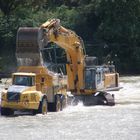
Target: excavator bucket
x=29 y=43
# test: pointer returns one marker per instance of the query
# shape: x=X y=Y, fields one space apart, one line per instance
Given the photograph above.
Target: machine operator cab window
x=93 y=78
x=90 y=78
x=24 y=80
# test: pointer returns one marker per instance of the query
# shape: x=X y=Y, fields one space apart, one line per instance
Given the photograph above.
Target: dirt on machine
x=46 y=90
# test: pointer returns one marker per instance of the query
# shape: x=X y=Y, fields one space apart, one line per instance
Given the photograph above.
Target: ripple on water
x=119 y=122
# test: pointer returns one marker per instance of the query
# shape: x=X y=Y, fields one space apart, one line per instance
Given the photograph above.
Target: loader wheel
x=6 y=111
x=63 y=102
x=58 y=105
x=43 y=107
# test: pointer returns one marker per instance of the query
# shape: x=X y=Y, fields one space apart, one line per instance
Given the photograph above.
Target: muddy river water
x=120 y=122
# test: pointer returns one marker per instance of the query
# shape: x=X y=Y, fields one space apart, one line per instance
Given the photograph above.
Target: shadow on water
x=128 y=103
x=17 y=114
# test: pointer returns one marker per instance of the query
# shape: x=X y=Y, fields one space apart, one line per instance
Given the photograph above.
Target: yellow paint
x=31 y=96
x=73 y=46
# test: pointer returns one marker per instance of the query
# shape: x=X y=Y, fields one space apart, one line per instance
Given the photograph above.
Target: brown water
x=121 y=122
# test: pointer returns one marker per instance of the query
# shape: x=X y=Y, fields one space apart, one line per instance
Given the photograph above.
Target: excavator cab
x=93 y=74
x=90 y=78
x=94 y=78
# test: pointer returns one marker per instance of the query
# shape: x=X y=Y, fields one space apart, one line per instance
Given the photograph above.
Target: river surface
x=120 y=122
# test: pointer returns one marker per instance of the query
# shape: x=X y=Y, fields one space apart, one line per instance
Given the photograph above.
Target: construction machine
x=34 y=88
x=86 y=81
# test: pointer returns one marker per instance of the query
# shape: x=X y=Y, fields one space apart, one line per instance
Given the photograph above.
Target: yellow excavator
x=86 y=81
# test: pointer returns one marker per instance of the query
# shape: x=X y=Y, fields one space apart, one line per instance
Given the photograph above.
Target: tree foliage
x=109 y=28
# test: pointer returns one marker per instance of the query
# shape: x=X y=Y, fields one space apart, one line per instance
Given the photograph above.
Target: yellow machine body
x=27 y=96
x=84 y=77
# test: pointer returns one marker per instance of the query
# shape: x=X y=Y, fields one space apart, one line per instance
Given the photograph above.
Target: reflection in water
x=120 y=122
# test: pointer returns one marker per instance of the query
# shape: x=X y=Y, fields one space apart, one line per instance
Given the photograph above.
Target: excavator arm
x=73 y=46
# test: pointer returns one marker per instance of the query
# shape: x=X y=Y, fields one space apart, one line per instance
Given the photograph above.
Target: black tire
x=63 y=102
x=58 y=104
x=43 y=107
x=6 y=111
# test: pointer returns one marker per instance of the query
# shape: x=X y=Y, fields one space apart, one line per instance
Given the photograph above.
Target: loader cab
x=94 y=78
x=23 y=79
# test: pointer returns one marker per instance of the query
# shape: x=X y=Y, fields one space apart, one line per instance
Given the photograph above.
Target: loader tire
x=58 y=105
x=6 y=111
x=43 y=107
x=63 y=102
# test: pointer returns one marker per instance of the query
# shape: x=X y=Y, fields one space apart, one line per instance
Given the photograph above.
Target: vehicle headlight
x=25 y=97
